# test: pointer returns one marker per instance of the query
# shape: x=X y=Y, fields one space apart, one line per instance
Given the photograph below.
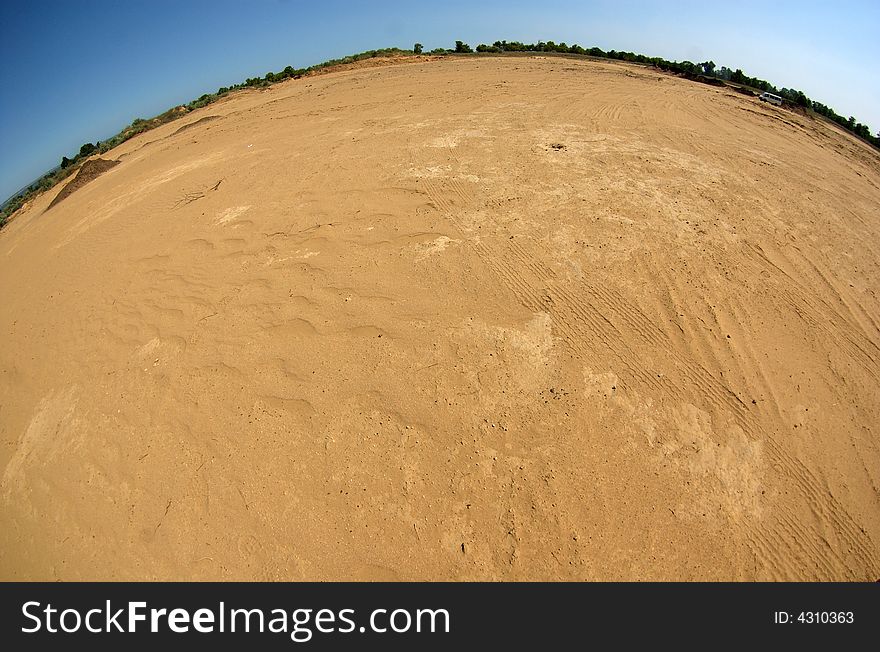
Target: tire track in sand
x=590 y=320
x=828 y=511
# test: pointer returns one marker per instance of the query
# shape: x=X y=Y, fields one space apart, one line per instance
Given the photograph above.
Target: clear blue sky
x=78 y=71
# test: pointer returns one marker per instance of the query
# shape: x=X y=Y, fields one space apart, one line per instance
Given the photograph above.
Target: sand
x=471 y=319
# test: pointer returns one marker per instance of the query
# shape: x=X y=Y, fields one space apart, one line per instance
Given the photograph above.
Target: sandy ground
x=406 y=337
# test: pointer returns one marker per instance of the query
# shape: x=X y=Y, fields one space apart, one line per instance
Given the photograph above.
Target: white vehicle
x=770 y=97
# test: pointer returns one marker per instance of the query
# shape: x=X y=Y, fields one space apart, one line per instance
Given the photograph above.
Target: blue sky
x=75 y=72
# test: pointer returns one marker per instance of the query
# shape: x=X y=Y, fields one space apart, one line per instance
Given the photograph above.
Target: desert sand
x=520 y=318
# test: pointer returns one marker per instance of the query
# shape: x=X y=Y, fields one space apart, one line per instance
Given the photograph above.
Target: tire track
x=829 y=510
x=794 y=294
x=585 y=318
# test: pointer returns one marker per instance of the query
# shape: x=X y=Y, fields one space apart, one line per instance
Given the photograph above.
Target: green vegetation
x=704 y=72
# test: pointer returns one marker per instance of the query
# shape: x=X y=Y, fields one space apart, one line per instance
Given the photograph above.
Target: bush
x=417 y=48
x=462 y=48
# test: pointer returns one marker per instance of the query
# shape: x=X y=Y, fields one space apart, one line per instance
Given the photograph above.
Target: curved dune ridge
x=480 y=318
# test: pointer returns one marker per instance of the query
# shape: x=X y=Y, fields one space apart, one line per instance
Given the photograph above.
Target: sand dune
x=513 y=318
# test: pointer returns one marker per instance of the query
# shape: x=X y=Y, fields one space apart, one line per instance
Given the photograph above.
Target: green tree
x=87 y=150
x=417 y=48
x=462 y=47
